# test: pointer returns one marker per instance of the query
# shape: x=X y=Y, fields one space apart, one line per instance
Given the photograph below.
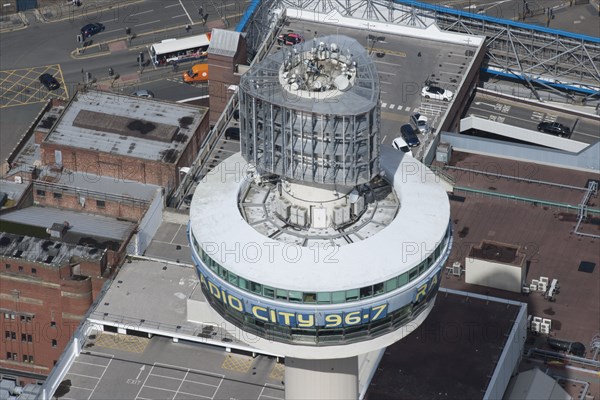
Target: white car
x=400 y=144
x=422 y=123
x=436 y=92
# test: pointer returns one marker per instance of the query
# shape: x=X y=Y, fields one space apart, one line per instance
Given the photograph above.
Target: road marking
x=172 y=5
x=386 y=63
x=140 y=13
x=392 y=106
x=114 y=30
x=193 y=98
x=148 y=23
x=179 y=16
x=63 y=81
x=188 y=15
x=383 y=105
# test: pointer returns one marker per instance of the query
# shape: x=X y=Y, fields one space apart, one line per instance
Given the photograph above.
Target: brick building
x=226 y=53
x=46 y=287
x=123 y=137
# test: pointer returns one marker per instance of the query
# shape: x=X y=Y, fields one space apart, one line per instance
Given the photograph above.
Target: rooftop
x=200 y=365
x=104 y=186
x=451 y=355
x=289 y=77
x=224 y=42
x=43 y=251
x=422 y=218
x=127 y=126
x=91 y=229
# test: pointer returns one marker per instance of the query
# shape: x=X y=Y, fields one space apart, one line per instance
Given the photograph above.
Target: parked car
x=91 y=29
x=554 y=128
x=49 y=81
x=290 y=39
x=143 y=93
x=400 y=144
x=409 y=135
x=232 y=133
x=436 y=92
x=422 y=123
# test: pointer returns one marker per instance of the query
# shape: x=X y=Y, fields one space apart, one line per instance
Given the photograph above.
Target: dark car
x=409 y=136
x=554 y=128
x=49 y=81
x=290 y=39
x=92 y=29
x=232 y=133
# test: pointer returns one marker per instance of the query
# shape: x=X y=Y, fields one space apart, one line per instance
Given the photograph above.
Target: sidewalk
x=13 y=22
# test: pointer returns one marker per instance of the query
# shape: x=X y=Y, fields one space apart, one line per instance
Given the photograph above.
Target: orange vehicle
x=198 y=73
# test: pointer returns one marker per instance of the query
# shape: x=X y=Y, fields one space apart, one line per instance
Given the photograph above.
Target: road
x=528 y=116
x=48 y=46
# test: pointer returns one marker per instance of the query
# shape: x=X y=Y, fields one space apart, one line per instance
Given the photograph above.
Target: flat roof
x=420 y=225
x=544 y=233
x=101 y=185
x=53 y=253
x=452 y=355
x=161 y=290
x=91 y=229
x=127 y=126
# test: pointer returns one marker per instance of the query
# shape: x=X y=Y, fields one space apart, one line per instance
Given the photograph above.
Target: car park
x=437 y=93
x=409 y=135
x=91 y=29
x=143 y=93
x=422 y=123
x=49 y=81
x=554 y=128
x=400 y=144
x=290 y=39
x=232 y=133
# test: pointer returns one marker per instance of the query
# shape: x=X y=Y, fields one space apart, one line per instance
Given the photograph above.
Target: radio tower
x=314 y=238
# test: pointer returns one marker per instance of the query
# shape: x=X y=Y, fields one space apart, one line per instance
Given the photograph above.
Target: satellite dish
x=342 y=83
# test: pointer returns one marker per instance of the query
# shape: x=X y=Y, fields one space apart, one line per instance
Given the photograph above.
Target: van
x=198 y=73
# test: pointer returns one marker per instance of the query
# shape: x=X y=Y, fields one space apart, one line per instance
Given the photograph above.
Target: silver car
x=143 y=93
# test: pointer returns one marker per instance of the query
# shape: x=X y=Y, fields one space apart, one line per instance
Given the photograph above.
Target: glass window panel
x=282 y=294
x=232 y=278
x=403 y=279
x=391 y=284
x=352 y=294
x=413 y=273
x=378 y=288
x=423 y=267
x=339 y=297
x=295 y=297
x=255 y=287
x=268 y=292
x=242 y=283
x=366 y=291
x=324 y=297
x=309 y=297
x=223 y=272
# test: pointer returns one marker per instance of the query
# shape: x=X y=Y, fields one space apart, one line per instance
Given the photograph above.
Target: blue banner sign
x=294 y=319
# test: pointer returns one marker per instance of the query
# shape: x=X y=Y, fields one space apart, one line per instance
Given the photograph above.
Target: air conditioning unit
x=537 y=319
x=545 y=329
x=529 y=321
x=548 y=322
x=532 y=287
x=542 y=286
x=535 y=326
x=526 y=289
x=544 y=279
x=456 y=268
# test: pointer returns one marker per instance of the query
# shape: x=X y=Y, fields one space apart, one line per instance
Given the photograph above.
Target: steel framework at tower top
x=560 y=61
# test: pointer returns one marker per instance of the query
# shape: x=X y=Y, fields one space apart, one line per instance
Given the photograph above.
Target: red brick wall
x=114 y=209
x=51 y=296
x=116 y=166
